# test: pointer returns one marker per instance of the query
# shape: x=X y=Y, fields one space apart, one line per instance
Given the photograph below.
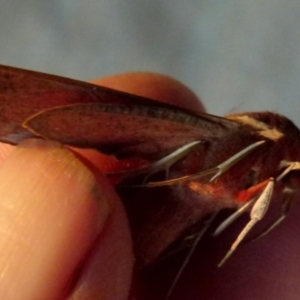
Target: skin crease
x=268 y=268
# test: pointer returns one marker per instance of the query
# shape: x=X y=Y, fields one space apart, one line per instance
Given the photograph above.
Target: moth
x=199 y=163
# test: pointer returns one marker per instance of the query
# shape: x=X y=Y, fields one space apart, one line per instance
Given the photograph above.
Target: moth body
x=84 y=115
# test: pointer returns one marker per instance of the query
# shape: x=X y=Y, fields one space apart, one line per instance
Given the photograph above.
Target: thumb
x=61 y=228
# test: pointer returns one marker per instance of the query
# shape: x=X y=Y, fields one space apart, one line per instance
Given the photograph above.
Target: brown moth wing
x=25 y=93
x=143 y=129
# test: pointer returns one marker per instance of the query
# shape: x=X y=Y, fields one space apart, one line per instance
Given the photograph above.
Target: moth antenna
x=207 y=224
x=288 y=197
x=227 y=164
x=257 y=213
x=218 y=170
x=228 y=221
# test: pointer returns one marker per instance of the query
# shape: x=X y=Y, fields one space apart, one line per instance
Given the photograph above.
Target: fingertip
x=5 y=151
x=154 y=86
x=53 y=211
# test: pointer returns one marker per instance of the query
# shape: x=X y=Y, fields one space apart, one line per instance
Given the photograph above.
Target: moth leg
x=295 y=165
x=183 y=178
x=227 y=164
x=217 y=171
x=288 y=197
x=248 y=196
x=228 y=221
x=189 y=255
x=166 y=162
x=257 y=213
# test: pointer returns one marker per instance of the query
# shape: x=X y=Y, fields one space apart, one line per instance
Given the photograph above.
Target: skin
x=64 y=233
